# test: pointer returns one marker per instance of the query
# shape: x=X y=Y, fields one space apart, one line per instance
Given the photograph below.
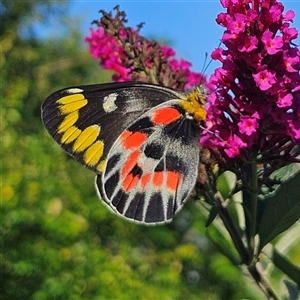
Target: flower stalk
x=253 y=208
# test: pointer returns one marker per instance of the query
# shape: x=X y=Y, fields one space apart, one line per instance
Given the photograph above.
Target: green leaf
x=212 y=215
x=226 y=183
x=282 y=210
x=286 y=172
x=286 y=267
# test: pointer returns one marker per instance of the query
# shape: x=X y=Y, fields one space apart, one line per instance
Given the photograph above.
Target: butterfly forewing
x=86 y=120
x=152 y=166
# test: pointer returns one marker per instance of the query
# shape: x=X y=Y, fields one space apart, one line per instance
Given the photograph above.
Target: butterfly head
x=194 y=103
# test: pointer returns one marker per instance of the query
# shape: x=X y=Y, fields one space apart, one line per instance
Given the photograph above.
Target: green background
x=57 y=240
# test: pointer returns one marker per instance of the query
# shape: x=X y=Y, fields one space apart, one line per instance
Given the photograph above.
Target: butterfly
x=142 y=141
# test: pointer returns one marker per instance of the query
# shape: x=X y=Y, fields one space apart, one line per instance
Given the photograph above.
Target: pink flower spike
x=276 y=11
x=229 y=37
x=272 y=45
x=289 y=16
x=248 y=125
x=234 y=144
x=247 y=44
x=257 y=87
x=285 y=101
x=289 y=34
x=133 y=57
x=295 y=129
x=264 y=79
x=224 y=3
x=217 y=54
x=291 y=61
x=167 y=51
x=238 y=25
x=232 y=151
x=184 y=65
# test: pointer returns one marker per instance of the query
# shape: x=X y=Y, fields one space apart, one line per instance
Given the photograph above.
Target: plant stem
x=214 y=199
x=247 y=255
x=261 y=282
x=233 y=231
x=253 y=207
x=250 y=191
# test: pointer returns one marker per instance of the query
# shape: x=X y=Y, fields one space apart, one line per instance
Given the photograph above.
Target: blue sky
x=189 y=25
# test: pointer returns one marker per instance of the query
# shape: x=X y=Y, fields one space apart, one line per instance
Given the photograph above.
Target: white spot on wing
x=109 y=104
x=74 y=91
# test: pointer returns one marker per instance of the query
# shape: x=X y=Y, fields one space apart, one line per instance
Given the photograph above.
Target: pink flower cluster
x=255 y=107
x=182 y=66
x=133 y=57
x=110 y=52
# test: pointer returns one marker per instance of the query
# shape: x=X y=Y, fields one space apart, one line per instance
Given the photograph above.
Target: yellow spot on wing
x=86 y=138
x=68 y=121
x=93 y=154
x=71 y=103
x=70 y=99
x=70 y=135
x=101 y=166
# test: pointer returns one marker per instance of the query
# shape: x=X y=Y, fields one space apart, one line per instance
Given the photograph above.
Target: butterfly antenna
x=205 y=64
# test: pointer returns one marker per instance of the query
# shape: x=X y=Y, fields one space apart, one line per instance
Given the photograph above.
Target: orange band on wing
x=124 y=135
x=165 y=115
x=173 y=180
x=158 y=178
x=130 y=182
x=130 y=163
x=133 y=140
x=145 y=180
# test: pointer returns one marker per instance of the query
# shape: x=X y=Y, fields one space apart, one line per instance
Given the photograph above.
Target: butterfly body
x=142 y=140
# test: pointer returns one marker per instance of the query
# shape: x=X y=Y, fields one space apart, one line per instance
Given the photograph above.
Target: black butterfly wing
x=86 y=120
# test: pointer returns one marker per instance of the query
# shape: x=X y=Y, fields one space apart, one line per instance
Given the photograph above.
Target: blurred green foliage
x=57 y=240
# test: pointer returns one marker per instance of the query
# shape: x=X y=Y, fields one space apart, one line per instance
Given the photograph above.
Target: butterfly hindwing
x=152 y=166
x=86 y=120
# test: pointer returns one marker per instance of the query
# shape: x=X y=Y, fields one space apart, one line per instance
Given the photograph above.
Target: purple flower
x=272 y=45
x=255 y=106
x=256 y=99
x=248 y=124
x=264 y=79
x=109 y=51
